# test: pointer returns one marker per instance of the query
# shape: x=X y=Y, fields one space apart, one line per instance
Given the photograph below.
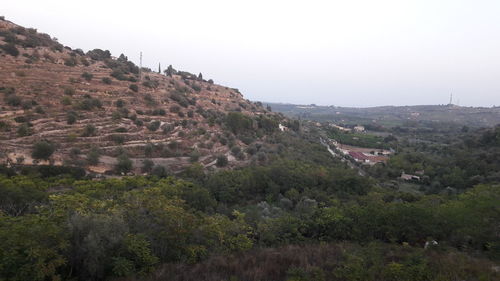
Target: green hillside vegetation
x=357 y=139
x=55 y=226
x=467 y=159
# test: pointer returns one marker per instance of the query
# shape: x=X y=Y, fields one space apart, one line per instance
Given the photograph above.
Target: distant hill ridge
x=470 y=116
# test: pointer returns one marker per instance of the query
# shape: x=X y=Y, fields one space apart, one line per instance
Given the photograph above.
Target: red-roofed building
x=358 y=156
x=362 y=157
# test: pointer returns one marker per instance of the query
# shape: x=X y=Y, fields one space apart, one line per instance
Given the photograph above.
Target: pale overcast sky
x=346 y=53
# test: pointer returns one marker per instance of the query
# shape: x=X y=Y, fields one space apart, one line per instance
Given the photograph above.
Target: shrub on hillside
x=93 y=156
x=148 y=149
x=116 y=116
x=138 y=123
x=235 y=150
x=238 y=122
x=147 y=165
x=28 y=104
x=124 y=164
x=106 y=80
x=119 y=75
x=181 y=99
x=71 y=117
x=20 y=73
x=43 y=150
x=87 y=76
x=71 y=61
x=8 y=90
x=222 y=140
x=24 y=130
x=13 y=100
x=159 y=171
x=159 y=111
x=120 y=103
x=89 y=131
x=221 y=161
x=69 y=91
x=10 y=49
x=84 y=61
x=89 y=104
x=151 y=84
x=153 y=126
x=98 y=54
x=194 y=156
x=119 y=139
x=4 y=126
x=134 y=87
x=196 y=87
x=175 y=109
x=74 y=152
x=21 y=119
x=39 y=110
x=149 y=99
x=66 y=101
x=168 y=128
x=9 y=36
x=261 y=157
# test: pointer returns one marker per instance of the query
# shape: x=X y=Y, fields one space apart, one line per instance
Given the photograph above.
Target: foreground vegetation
x=92 y=230
x=339 y=261
x=223 y=224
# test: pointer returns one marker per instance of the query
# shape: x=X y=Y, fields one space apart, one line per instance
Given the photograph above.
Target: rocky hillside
x=93 y=110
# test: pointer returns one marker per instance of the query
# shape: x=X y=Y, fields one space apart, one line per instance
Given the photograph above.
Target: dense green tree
x=87 y=76
x=221 y=161
x=43 y=150
x=10 y=49
x=71 y=117
x=93 y=156
x=124 y=164
x=32 y=247
x=89 y=130
x=238 y=122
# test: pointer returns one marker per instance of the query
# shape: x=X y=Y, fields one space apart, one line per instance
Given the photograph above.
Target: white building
x=359 y=128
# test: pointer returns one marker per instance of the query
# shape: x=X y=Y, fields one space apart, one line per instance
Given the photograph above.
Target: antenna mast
x=140 y=67
x=451 y=98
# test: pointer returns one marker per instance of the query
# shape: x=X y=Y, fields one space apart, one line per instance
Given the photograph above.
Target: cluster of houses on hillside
x=357 y=128
x=410 y=177
x=362 y=155
x=368 y=158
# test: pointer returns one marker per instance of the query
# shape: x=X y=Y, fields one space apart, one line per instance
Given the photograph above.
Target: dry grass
x=259 y=264
x=275 y=264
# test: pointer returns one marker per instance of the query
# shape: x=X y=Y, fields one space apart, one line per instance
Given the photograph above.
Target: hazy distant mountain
x=394 y=115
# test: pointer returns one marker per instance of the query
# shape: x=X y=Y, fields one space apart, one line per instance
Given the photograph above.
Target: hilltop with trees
x=91 y=101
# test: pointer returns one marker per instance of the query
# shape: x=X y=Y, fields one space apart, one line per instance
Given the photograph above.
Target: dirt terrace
x=49 y=90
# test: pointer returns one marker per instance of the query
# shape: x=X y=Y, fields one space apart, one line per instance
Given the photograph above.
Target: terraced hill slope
x=92 y=106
